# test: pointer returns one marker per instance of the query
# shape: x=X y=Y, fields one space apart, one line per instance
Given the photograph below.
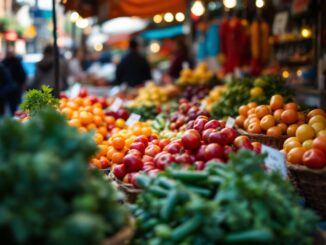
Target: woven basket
x=130 y=191
x=124 y=236
x=275 y=142
x=311 y=185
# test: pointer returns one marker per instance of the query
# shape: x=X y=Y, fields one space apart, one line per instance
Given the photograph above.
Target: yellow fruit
x=307 y=144
x=305 y=132
x=256 y=92
x=290 y=139
x=317 y=118
x=318 y=126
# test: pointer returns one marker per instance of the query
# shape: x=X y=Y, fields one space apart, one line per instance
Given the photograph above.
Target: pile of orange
x=275 y=119
x=115 y=148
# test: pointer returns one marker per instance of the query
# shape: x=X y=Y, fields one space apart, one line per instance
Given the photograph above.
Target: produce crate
x=124 y=236
x=311 y=185
x=275 y=142
x=129 y=190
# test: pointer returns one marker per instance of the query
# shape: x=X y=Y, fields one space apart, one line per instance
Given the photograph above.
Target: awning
x=162 y=33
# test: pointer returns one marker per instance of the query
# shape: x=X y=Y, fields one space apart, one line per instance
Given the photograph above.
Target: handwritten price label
x=133 y=118
x=230 y=122
x=116 y=105
x=275 y=160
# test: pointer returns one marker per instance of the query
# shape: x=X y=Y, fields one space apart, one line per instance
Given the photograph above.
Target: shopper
x=18 y=75
x=6 y=87
x=133 y=68
x=76 y=73
x=45 y=70
x=180 y=57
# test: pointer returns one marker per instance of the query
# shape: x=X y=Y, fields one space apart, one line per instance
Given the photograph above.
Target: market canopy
x=162 y=33
x=123 y=8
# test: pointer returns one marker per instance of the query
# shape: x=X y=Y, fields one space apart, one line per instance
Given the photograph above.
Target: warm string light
x=198 y=8
x=230 y=3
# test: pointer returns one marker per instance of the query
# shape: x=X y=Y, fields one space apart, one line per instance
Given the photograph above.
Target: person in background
x=180 y=56
x=18 y=75
x=45 y=70
x=6 y=87
x=133 y=69
x=76 y=73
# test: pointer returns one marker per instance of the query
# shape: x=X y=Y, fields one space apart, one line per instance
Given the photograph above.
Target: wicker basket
x=311 y=185
x=275 y=142
x=124 y=236
x=130 y=191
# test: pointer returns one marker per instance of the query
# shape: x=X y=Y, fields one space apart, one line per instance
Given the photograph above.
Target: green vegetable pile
x=238 y=93
x=224 y=204
x=147 y=112
x=47 y=193
x=36 y=100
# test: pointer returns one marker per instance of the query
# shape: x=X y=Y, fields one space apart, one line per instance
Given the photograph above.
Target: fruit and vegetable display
x=195 y=93
x=199 y=76
x=48 y=194
x=307 y=146
x=233 y=203
x=274 y=119
x=214 y=96
x=242 y=91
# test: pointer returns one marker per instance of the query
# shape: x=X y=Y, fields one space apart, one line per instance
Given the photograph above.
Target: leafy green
x=224 y=204
x=35 y=100
x=48 y=195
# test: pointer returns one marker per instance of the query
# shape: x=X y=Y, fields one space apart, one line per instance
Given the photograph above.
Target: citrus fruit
x=305 y=132
x=276 y=102
x=289 y=116
x=267 y=122
x=315 y=112
x=295 y=155
x=274 y=131
x=256 y=92
x=291 y=130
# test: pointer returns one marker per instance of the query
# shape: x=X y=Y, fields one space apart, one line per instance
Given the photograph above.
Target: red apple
x=155 y=142
x=184 y=107
x=63 y=95
x=138 y=146
x=199 y=125
x=152 y=150
x=147 y=158
x=173 y=126
x=191 y=139
x=214 y=160
x=190 y=124
x=123 y=113
x=214 y=124
x=206 y=133
x=241 y=141
x=257 y=147
x=132 y=163
x=83 y=93
x=135 y=153
x=152 y=137
x=103 y=102
x=119 y=171
x=314 y=158
x=148 y=167
x=213 y=150
x=104 y=163
x=133 y=179
x=184 y=158
x=164 y=142
x=202 y=117
x=163 y=159
x=231 y=134
x=142 y=139
x=222 y=123
x=200 y=165
x=200 y=154
x=226 y=152
x=218 y=137
x=112 y=114
x=93 y=100
x=173 y=147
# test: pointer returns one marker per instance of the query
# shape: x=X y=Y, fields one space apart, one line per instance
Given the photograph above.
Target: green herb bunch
x=35 y=100
x=224 y=204
x=48 y=195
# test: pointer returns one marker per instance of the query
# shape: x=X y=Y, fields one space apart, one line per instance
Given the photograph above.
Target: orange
x=117 y=157
x=75 y=123
x=254 y=128
x=292 y=105
x=288 y=140
x=240 y=120
x=321 y=133
x=72 y=105
x=262 y=111
x=318 y=126
x=103 y=150
x=243 y=110
x=254 y=120
x=98 y=111
x=82 y=129
x=110 y=152
x=246 y=123
x=128 y=142
x=251 y=111
x=79 y=101
x=276 y=102
x=290 y=145
x=96 y=163
x=291 y=130
x=267 y=122
x=118 y=143
x=98 y=138
x=110 y=120
x=315 y=112
x=120 y=123
x=86 y=117
x=137 y=130
x=317 y=118
x=252 y=105
x=289 y=116
x=283 y=126
x=252 y=115
x=305 y=132
x=274 y=131
x=68 y=112
x=103 y=130
x=91 y=126
x=97 y=120
x=295 y=155
x=147 y=131
x=277 y=114
x=301 y=117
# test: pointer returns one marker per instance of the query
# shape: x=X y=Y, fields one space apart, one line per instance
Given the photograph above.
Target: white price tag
x=133 y=118
x=280 y=22
x=116 y=104
x=203 y=105
x=275 y=160
x=74 y=91
x=230 y=122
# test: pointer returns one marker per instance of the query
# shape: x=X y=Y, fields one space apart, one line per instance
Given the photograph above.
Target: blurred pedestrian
x=133 y=69
x=18 y=75
x=45 y=70
x=180 y=56
x=6 y=87
x=76 y=73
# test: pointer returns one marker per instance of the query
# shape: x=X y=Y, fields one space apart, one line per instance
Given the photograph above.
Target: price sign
x=275 y=160
x=133 y=118
x=280 y=22
x=230 y=122
x=116 y=104
x=74 y=92
x=203 y=105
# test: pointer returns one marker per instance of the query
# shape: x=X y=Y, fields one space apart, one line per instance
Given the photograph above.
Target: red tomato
x=314 y=158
